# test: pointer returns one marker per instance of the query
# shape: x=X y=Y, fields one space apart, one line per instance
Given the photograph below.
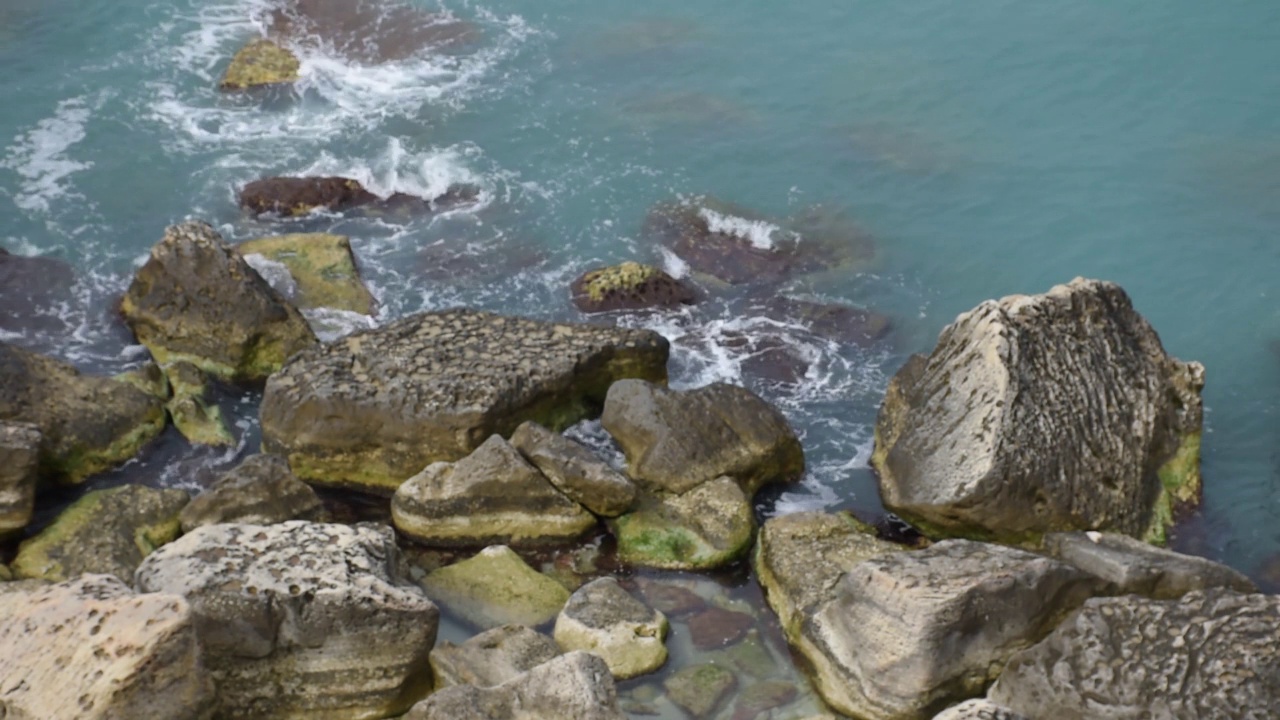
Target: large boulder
x=19 y=468
x=262 y=63
x=373 y=31
x=1210 y=654
x=1133 y=567
x=575 y=471
x=603 y=618
x=197 y=300
x=322 y=267
x=979 y=709
x=88 y=424
x=492 y=657
x=376 y=407
x=105 y=532
x=707 y=527
x=630 y=286
x=92 y=649
x=301 y=620
x=1042 y=413
x=497 y=587
x=909 y=633
x=259 y=491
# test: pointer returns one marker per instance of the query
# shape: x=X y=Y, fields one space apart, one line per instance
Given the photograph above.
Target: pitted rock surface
x=19 y=468
x=259 y=491
x=1134 y=567
x=675 y=441
x=492 y=657
x=575 y=471
x=708 y=527
x=978 y=710
x=1210 y=654
x=497 y=587
x=91 y=649
x=374 y=408
x=196 y=299
x=1039 y=413
x=316 y=608
x=909 y=633
x=321 y=266
x=604 y=619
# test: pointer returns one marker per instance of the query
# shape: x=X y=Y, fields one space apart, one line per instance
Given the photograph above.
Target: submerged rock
x=322 y=266
x=259 y=491
x=575 y=471
x=707 y=527
x=377 y=406
x=19 y=470
x=700 y=689
x=842 y=323
x=31 y=291
x=762 y=697
x=198 y=418
x=497 y=587
x=261 y=63
x=373 y=31
x=604 y=619
x=1133 y=567
x=669 y=598
x=1040 y=413
x=491 y=658
x=298 y=196
x=630 y=286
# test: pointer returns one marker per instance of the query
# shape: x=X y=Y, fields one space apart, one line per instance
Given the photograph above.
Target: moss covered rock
x=198 y=418
x=707 y=527
x=630 y=286
x=261 y=63
x=496 y=587
x=323 y=269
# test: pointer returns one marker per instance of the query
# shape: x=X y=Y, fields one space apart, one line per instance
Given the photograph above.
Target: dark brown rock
x=715 y=627
x=668 y=599
x=842 y=323
x=293 y=196
x=575 y=471
x=372 y=31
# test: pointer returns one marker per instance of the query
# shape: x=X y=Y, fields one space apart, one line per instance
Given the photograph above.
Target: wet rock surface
x=261 y=63
x=31 y=290
x=1133 y=567
x=575 y=470
x=259 y=491
x=842 y=323
x=491 y=658
x=604 y=619
x=715 y=627
x=291 y=197
x=707 y=527
x=322 y=267
x=700 y=689
x=497 y=587
x=630 y=286
x=19 y=470
x=371 y=31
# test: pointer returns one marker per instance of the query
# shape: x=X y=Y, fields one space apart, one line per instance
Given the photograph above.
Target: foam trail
x=757 y=232
x=40 y=156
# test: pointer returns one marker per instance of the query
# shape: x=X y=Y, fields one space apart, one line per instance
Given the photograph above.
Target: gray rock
x=700 y=689
x=1132 y=566
x=318 y=609
x=909 y=633
x=1210 y=654
x=19 y=468
x=575 y=470
x=491 y=496
x=675 y=441
x=372 y=409
x=979 y=710
x=604 y=619
x=576 y=686
x=492 y=657
x=496 y=587
x=92 y=649
x=707 y=527
x=1041 y=413
x=259 y=491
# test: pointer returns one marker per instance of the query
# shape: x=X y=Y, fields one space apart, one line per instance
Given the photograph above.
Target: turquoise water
x=989 y=147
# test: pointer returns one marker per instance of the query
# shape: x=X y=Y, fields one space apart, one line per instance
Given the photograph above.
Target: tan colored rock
x=978 y=710
x=575 y=471
x=707 y=527
x=496 y=587
x=196 y=416
x=259 y=491
x=604 y=619
x=19 y=467
x=1133 y=567
x=491 y=658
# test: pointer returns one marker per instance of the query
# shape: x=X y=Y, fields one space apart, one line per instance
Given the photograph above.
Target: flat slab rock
x=604 y=619
x=376 y=407
x=492 y=657
x=1134 y=567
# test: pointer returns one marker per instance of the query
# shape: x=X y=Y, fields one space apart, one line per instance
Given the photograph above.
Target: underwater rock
x=1133 y=567
x=31 y=291
x=604 y=619
x=707 y=527
x=261 y=63
x=761 y=697
x=575 y=471
x=842 y=323
x=630 y=286
x=19 y=470
x=769 y=356
x=259 y=491
x=323 y=269
x=370 y=31
x=496 y=587
x=714 y=627
x=198 y=419
x=700 y=689
x=491 y=658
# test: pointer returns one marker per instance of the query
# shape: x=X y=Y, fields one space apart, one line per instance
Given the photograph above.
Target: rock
x=909 y=633
x=323 y=269
x=490 y=496
x=496 y=587
x=769 y=356
x=575 y=686
x=377 y=406
x=715 y=627
x=259 y=64
x=1134 y=567
x=197 y=300
x=575 y=471
x=318 y=609
x=295 y=196
x=1042 y=413
x=700 y=689
x=106 y=531
x=88 y=424
x=707 y=527
x=630 y=286
x=842 y=323
x=1210 y=654
x=5 y=575
x=198 y=418
x=259 y=491
x=604 y=619
x=19 y=468
x=979 y=710
x=90 y=648
x=31 y=291
x=372 y=31
x=491 y=658
x=675 y=441
x=762 y=697
x=669 y=599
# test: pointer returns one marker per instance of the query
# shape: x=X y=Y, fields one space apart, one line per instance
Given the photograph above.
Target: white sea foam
x=427 y=174
x=329 y=324
x=757 y=232
x=40 y=156
x=274 y=272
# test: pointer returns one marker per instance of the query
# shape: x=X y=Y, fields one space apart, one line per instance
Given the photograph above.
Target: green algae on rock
x=707 y=527
x=323 y=267
x=496 y=587
x=261 y=63
x=630 y=286
x=198 y=419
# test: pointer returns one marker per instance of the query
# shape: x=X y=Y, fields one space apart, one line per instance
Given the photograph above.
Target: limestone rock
x=319 y=609
x=90 y=648
x=669 y=598
x=707 y=527
x=258 y=491
x=19 y=467
x=496 y=587
x=198 y=418
x=1134 y=567
x=700 y=689
x=322 y=266
x=261 y=63
x=604 y=619
x=197 y=300
x=675 y=441
x=909 y=633
x=630 y=286
x=491 y=658
x=106 y=531
x=979 y=710
x=1040 y=413
x=1210 y=654
x=5 y=575
x=575 y=471
x=88 y=424
x=376 y=407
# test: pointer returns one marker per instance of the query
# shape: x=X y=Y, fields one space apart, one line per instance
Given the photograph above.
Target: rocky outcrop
x=575 y=471
x=1131 y=566
x=707 y=527
x=491 y=658
x=105 y=532
x=978 y=710
x=376 y=407
x=491 y=496
x=262 y=63
x=193 y=412
x=91 y=649
x=1042 y=413
x=1210 y=654
x=496 y=587
x=716 y=627
x=700 y=689
x=373 y=31
x=298 y=196
x=197 y=300
x=606 y=620
x=259 y=491
x=19 y=468
x=322 y=267
x=630 y=286
x=317 y=609
x=88 y=424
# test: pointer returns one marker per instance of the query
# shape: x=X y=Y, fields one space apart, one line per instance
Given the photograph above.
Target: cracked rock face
x=316 y=608
x=604 y=619
x=374 y=408
x=492 y=657
x=707 y=527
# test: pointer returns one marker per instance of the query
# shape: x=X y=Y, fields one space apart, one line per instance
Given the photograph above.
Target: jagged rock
x=575 y=471
x=90 y=648
x=491 y=496
x=106 y=531
x=1042 y=413
x=377 y=406
x=19 y=467
x=318 y=609
x=604 y=619
x=261 y=63
x=5 y=575
x=322 y=267
x=373 y=31
x=707 y=527
x=909 y=633
x=298 y=196
x=979 y=710
x=1210 y=654
x=88 y=424
x=675 y=441
x=496 y=587
x=575 y=686
x=198 y=418
x=259 y=491
x=716 y=627
x=197 y=300
x=700 y=689
x=630 y=286
x=491 y=658
x=31 y=289
x=1134 y=567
